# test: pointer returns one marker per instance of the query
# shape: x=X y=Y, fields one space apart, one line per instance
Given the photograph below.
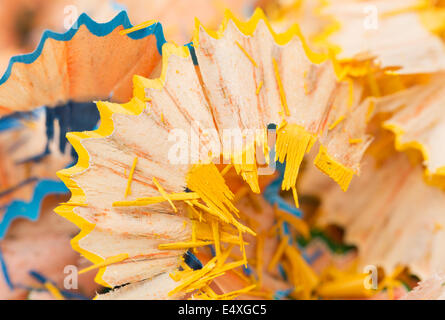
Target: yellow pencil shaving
x=241 y=275
x=205 y=293
x=204 y=281
x=207 y=181
x=390 y=289
x=74 y=204
x=261 y=294
x=278 y=253
x=193 y=230
x=259 y=258
x=200 y=296
x=130 y=177
x=176 y=276
x=299 y=224
x=29 y=124
x=236 y=293
x=295 y=196
x=397 y=271
x=205 y=235
x=243 y=191
x=194 y=212
x=184 y=225
x=256 y=204
x=184 y=245
x=215 y=232
x=247 y=54
x=231 y=265
x=287 y=269
x=226 y=254
x=258 y=89
x=273 y=231
x=336 y=122
x=293 y=142
x=226 y=169
x=200 y=278
x=351 y=94
x=285 y=108
x=390 y=282
x=243 y=248
x=346 y=286
x=344 y=72
x=420 y=5
x=302 y=273
x=232 y=221
x=253 y=223
x=192 y=277
x=355 y=141
x=207 y=209
x=106 y=262
x=182 y=196
x=370 y=111
x=373 y=84
x=245 y=165
x=137 y=27
x=164 y=194
x=211 y=294
x=54 y=291
x=334 y=169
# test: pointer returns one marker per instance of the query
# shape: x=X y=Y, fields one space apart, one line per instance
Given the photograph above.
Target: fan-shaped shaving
x=246 y=78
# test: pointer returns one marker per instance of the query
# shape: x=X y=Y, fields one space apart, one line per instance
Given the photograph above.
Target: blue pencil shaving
x=285 y=227
x=49 y=285
x=247 y=270
x=86 y=115
x=38 y=276
x=16 y=119
x=192 y=261
x=71 y=116
x=5 y=272
x=9 y=122
x=98 y=29
x=280 y=294
x=192 y=53
x=311 y=259
x=272 y=194
x=282 y=272
x=212 y=250
x=73 y=295
x=30 y=210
